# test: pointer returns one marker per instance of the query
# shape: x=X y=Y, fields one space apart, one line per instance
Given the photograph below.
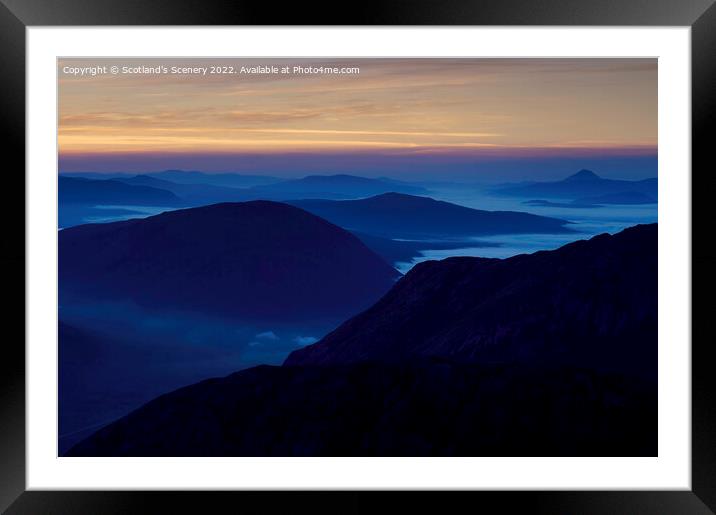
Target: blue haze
x=142 y=353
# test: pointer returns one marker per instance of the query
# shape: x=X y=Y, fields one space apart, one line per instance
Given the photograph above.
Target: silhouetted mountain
x=548 y=354
x=254 y=260
x=583 y=176
x=400 y=409
x=194 y=193
x=584 y=183
x=74 y=190
x=590 y=303
x=225 y=179
x=397 y=215
x=148 y=180
x=334 y=187
x=230 y=180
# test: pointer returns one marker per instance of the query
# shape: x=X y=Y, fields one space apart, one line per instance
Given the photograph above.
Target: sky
x=473 y=119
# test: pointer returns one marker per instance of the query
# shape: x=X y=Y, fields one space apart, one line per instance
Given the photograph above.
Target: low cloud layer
x=305 y=340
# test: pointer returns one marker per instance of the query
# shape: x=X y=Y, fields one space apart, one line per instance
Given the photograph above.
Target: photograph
x=327 y=257
x=304 y=259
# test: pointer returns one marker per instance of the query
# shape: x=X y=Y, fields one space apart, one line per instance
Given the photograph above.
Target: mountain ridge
x=476 y=309
x=74 y=190
x=399 y=215
x=337 y=186
x=251 y=259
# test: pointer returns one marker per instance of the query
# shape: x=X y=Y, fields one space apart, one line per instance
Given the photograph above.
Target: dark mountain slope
x=405 y=216
x=592 y=303
x=407 y=409
x=256 y=259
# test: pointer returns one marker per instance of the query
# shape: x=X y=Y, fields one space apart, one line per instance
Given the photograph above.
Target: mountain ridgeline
x=398 y=215
x=340 y=186
x=93 y=197
x=75 y=190
x=223 y=179
x=193 y=194
x=548 y=354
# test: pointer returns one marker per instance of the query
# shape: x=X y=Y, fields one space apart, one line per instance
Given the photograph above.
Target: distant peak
x=583 y=175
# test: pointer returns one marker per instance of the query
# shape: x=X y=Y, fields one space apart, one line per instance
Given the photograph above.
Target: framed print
x=442 y=249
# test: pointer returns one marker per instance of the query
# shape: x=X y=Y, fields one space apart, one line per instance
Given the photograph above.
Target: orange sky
x=413 y=105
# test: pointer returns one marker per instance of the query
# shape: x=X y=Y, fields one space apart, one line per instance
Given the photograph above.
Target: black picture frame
x=17 y=15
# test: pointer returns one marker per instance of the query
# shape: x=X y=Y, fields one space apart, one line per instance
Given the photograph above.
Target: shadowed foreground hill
x=549 y=354
x=376 y=409
x=254 y=260
x=591 y=302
